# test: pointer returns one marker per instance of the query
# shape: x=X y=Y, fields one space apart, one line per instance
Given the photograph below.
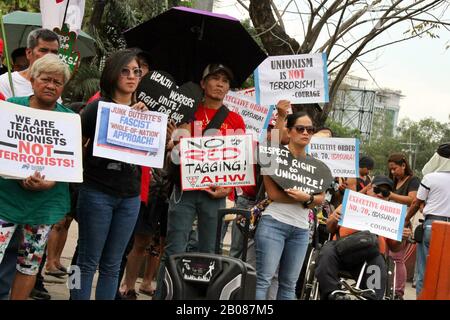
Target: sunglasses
x=300 y=129
x=384 y=192
x=125 y=72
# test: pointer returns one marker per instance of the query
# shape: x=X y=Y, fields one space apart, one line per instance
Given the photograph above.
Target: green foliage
x=7 y=6
x=417 y=140
x=340 y=131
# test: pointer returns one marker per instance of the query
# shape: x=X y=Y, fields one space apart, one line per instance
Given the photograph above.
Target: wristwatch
x=311 y=200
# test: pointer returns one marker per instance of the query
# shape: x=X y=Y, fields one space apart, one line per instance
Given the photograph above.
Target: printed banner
x=362 y=212
x=53 y=14
x=301 y=79
x=37 y=140
x=341 y=155
x=129 y=135
x=160 y=93
x=222 y=161
x=308 y=174
x=256 y=117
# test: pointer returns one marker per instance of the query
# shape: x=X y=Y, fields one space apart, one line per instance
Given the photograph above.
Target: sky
x=419 y=68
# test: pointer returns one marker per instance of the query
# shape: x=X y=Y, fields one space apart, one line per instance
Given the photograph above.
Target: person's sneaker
x=339 y=296
x=40 y=294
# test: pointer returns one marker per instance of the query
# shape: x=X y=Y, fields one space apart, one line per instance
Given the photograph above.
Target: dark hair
x=43 y=34
x=144 y=56
x=292 y=118
x=113 y=67
x=399 y=159
x=366 y=162
x=19 y=52
x=325 y=128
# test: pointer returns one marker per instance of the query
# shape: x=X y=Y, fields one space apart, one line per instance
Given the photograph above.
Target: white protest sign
x=299 y=78
x=222 y=161
x=38 y=140
x=341 y=155
x=134 y=129
x=362 y=212
x=53 y=14
x=256 y=117
x=125 y=129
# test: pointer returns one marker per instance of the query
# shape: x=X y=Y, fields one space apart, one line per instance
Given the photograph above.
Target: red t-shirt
x=233 y=121
x=96 y=96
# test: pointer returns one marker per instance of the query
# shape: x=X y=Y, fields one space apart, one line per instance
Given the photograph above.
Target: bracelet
x=311 y=200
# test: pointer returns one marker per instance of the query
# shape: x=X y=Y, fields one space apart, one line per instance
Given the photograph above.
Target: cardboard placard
x=134 y=137
x=38 y=140
x=222 y=161
x=160 y=93
x=301 y=79
x=308 y=174
x=341 y=155
x=363 y=212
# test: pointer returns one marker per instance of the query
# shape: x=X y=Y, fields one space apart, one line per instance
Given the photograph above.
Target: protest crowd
x=144 y=166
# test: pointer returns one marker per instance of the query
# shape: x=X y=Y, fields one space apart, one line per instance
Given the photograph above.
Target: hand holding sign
x=160 y=93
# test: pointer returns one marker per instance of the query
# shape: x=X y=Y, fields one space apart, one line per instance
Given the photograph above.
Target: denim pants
x=279 y=245
x=8 y=264
x=183 y=208
x=105 y=225
x=422 y=253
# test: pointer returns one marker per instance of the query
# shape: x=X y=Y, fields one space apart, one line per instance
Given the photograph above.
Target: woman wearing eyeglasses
x=283 y=232
x=108 y=201
x=405 y=190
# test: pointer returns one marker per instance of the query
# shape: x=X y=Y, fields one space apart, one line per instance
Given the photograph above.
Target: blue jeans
x=280 y=244
x=183 y=207
x=105 y=225
x=422 y=253
x=8 y=264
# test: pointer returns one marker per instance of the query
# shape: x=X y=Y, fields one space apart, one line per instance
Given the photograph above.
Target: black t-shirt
x=412 y=184
x=361 y=183
x=110 y=176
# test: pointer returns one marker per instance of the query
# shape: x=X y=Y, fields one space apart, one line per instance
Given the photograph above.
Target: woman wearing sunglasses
x=405 y=190
x=282 y=236
x=108 y=200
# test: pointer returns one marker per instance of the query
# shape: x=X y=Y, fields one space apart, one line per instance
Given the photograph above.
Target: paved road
x=58 y=288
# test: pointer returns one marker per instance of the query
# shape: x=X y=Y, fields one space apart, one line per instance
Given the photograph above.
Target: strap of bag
x=218 y=119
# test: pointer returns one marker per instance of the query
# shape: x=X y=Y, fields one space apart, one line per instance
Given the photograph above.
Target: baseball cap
x=444 y=150
x=383 y=180
x=216 y=67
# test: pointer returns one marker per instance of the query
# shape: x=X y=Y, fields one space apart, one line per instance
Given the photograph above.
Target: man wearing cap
x=329 y=263
x=434 y=192
x=184 y=206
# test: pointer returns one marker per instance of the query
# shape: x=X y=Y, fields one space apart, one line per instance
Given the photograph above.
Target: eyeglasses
x=300 y=129
x=384 y=192
x=47 y=81
x=125 y=72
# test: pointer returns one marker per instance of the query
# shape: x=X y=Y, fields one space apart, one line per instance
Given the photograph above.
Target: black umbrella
x=182 y=41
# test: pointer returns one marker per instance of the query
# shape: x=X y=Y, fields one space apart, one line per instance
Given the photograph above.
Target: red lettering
x=198 y=155
x=206 y=179
x=237 y=177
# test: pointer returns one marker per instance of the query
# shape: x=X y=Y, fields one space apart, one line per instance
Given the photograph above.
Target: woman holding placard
x=405 y=190
x=283 y=232
x=34 y=204
x=108 y=201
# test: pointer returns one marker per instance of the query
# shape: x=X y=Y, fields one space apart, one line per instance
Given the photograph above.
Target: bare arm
x=415 y=206
x=333 y=220
x=351 y=183
x=275 y=193
x=403 y=199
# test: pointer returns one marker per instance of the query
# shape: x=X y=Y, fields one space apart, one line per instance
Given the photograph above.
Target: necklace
x=206 y=116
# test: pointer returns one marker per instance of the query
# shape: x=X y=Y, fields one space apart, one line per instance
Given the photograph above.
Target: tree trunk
x=272 y=35
x=97 y=14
